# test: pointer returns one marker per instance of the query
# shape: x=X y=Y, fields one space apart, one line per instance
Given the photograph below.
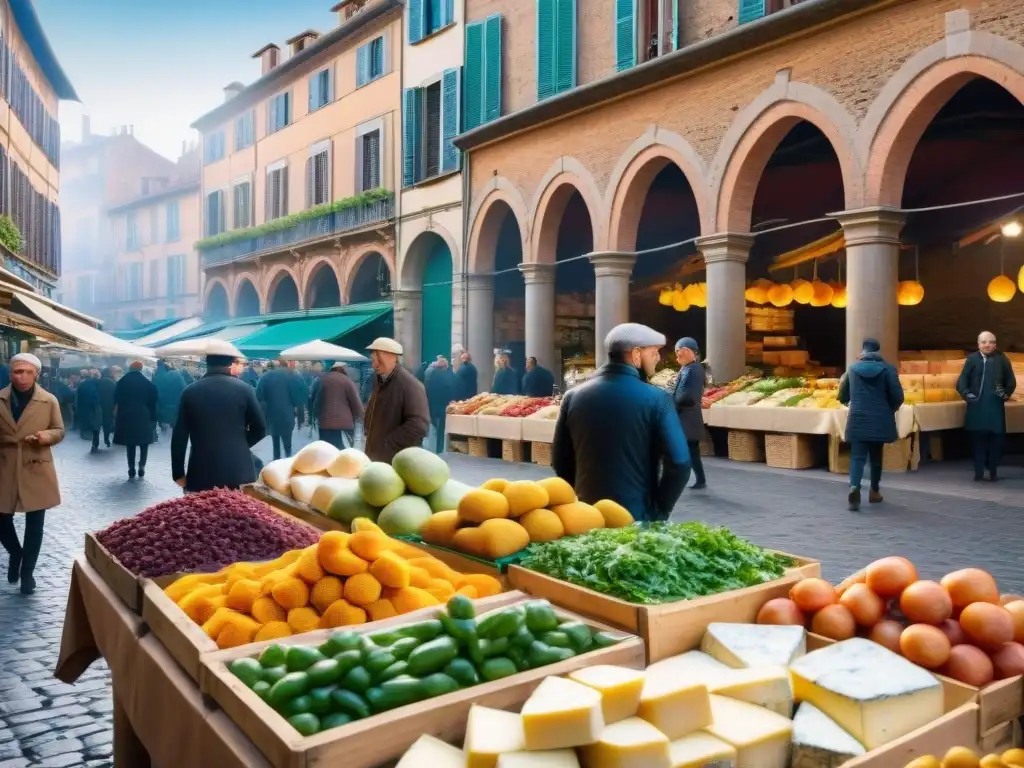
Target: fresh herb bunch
x=657 y=562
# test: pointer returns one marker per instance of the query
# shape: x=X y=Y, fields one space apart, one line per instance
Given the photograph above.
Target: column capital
x=725 y=246
x=878 y=224
x=612 y=263
x=406 y=296
x=475 y=282
x=535 y=272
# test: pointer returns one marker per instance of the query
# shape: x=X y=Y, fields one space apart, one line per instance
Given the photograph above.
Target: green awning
x=270 y=341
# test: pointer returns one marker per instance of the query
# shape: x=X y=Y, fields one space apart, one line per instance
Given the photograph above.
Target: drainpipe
x=466 y=191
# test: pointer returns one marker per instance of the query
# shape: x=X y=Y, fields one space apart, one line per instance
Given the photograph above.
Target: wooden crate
x=461 y=563
x=184 y=640
x=499 y=427
x=291 y=508
x=458 y=445
x=514 y=450
x=790 y=451
x=385 y=737
x=1001 y=738
x=121 y=581
x=540 y=454
x=460 y=424
x=478 y=447
x=745 y=445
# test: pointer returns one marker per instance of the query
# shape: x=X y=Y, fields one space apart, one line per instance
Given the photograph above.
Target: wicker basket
x=540 y=453
x=789 y=451
x=458 y=446
x=745 y=445
x=896 y=456
x=478 y=447
x=513 y=450
x=838 y=456
x=707 y=445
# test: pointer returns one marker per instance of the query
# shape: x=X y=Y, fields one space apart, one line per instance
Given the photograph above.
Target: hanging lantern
x=699 y=295
x=757 y=293
x=822 y=295
x=909 y=293
x=665 y=297
x=780 y=295
x=802 y=291
x=839 y=296
x=1020 y=279
x=692 y=294
x=679 y=302
x=1001 y=289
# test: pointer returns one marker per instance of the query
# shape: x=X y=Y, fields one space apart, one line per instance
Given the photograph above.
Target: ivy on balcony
x=10 y=235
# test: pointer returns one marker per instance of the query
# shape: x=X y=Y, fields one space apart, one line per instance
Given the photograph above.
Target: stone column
x=872 y=262
x=725 y=256
x=409 y=325
x=540 y=314
x=612 y=271
x=480 y=333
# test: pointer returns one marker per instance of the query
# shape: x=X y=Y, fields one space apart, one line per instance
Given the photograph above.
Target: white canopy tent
x=322 y=350
x=175 y=329
x=199 y=348
x=92 y=338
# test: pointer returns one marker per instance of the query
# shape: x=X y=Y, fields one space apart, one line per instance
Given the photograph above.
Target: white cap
x=630 y=335
x=384 y=344
x=27 y=357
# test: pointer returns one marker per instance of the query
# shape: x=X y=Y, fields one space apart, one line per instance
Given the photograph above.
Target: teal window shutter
x=565 y=45
x=451 y=122
x=363 y=64
x=415 y=8
x=474 y=77
x=675 y=27
x=447 y=13
x=434 y=20
x=751 y=10
x=492 y=68
x=625 y=34
x=377 y=57
x=410 y=135
x=545 y=49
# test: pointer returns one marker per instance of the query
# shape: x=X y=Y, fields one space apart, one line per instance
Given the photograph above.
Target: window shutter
x=434 y=18
x=410 y=133
x=272 y=115
x=545 y=48
x=451 y=122
x=447 y=13
x=310 y=182
x=221 y=212
x=377 y=59
x=474 y=77
x=492 y=68
x=285 y=110
x=415 y=20
x=676 y=13
x=751 y=10
x=565 y=45
x=363 y=64
x=625 y=34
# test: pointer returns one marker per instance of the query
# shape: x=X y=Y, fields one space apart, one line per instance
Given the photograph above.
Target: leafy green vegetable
x=796 y=399
x=657 y=562
x=772 y=385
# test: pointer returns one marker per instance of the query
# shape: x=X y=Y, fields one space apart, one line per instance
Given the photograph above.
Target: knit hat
x=689 y=343
x=27 y=357
x=871 y=345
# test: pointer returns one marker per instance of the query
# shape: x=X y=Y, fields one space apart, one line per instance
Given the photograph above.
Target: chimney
x=232 y=89
x=346 y=9
x=301 y=40
x=269 y=56
x=86 y=128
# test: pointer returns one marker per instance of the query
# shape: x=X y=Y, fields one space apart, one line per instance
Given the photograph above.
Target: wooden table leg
x=128 y=750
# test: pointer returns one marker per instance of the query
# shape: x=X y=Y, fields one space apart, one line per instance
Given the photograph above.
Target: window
x=242 y=204
x=154 y=225
x=320 y=89
x=428 y=16
x=173 y=220
x=371 y=61
x=556 y=47
x=175 y=276
x=245 y=130
x=131 y=231
x=644 y=30
x=279 y=112
x=18 y=92
x=154 y=278
x=133 y=281
x=368 y=160
x=431 y=119
x=215 y=213
x=277 y=191
x=482 y=80
x=751 y=10
x=318 y=174
x=213 y=147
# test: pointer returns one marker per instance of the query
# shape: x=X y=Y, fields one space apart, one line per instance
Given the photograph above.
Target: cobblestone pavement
x=46 y=723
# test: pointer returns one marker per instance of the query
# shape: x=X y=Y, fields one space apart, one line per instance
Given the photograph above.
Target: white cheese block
x=818 y=742
x=761 y=738
x=695 y=666
x=673 y=706
x=620 y=689
x=766 y=687
x=629 y=743
x=702 y=750
x=560 y=714
x=433 y=752
x=553 y=758
x=754 y=645
x=489 y=733
x=869 y=691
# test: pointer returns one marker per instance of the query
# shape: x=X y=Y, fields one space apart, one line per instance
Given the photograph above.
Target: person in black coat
x=871 y=388
x=442 y=389
x=687 y=395
x=281 y=392
x=986 y=383
x=221 y=419
x=506 y=380
x=538 y=381
x=89 y=414
x=106 y=386
x=467 y=377
x=135 y=414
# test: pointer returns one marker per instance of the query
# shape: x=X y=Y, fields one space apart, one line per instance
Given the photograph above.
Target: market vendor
x=615 y=432
x=986 y=383
x=506 y=380
x=687 y=395
x=538 y=381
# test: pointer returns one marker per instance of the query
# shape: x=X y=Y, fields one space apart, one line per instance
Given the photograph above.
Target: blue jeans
x=860 y=452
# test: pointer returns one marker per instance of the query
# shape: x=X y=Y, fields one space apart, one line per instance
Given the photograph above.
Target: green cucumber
x=522 y=638
x=497 y=647
x=249 y=671
x=394 y=693
x=334 y=720
x=437 y=684
x=339 y=642
x=605 y=639
x=461 y=607
x=540 y=616
x=261 y=689
x=402 y=647
x=500 y=624
x=432 y=656
x=518 y=655
x=396 y=669
x=463 y=672
x=302 y=657
x=497 y=668
x=326 y=672
x=320 y=699
x=348 y=659
x=290 y=686
x=297 y=706
x=378 y=661
x=580 y=637
x=352 y=704
x=463 y=630
x=357 y=679
x=542 y=654
x=273 y=656
x=273 y=674
x=556 y=639
x=306 y=723
x=420 y=630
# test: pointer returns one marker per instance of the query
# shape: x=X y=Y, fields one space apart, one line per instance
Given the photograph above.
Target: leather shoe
x=13 y=568
x=874 y=497
x=854 y=499
x=28 y=585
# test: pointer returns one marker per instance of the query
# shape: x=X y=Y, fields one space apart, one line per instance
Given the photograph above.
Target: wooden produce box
x=499 y=427
x=383 y=738
x=1001 y=738
x=460 y=562
x=125 y=584
x=538 y=430
x=515 y=451
x=790 y=451
x=291 y=508
x=184 y=640
x=459 y=424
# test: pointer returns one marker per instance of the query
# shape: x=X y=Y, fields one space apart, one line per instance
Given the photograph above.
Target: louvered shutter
x=492 y=68
x=545 y=48
x=371 y=160
x=565 y=45
x=377 y=59
x=363 y=64
x=432 y=130
x=221 y=212
x=272 y=115
x=434 y=17
x=676 y=13
x=625 y=34
x=474 y=77
x=447 y=13
x=310 y=182
x=751 y=10
x=451 y=122
x=410 y=134
x=415 y=9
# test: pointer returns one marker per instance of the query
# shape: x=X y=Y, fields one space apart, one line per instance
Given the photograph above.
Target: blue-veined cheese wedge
x=819 y=742
x=767 y=687
x=754 y=645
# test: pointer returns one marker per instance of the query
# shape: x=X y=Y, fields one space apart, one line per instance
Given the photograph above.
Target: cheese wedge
x=754 y=645
x=702 y=750
x=560 y=714
x=766 y=687
x=620 y=689
x=761 y=738
x=695 y=666
x=629 y=743
x=554 y=758
x=673 y=706
x=818 y=742
x=489 y=733
x=870 y=692
x=433 y=752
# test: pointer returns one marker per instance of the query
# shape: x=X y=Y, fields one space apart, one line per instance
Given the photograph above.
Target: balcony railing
x=334 y=223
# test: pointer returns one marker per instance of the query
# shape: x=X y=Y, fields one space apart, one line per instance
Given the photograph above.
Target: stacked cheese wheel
x=962 y=757
x=959 y=626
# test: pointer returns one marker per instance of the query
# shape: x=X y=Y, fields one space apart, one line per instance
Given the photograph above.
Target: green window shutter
x=435 y=17
x=377 y=57
x=675 y=27
x=415 y=8
x=625 y=35
x=565 y=45
x=545 y=49
x=447 y=12
x=474 y=77
x=751 y=10
x=363 y=64
x=492 y=68
x=410 y=135
x=451 y=122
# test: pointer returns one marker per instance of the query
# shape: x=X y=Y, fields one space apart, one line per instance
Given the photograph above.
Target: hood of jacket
x=870 y=366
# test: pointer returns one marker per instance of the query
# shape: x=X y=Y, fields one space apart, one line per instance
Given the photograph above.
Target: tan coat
x=28 y=480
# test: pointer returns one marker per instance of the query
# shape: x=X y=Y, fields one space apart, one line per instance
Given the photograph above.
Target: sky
x=159 y=65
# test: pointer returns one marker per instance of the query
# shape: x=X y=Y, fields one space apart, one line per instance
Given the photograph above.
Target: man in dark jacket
x=871 y=388
x=506 y=380
x=89 y=414
x=538 y=381
x=106 y=386
x=986 y=383
x=397 y=415
x=221 y=419
x=687 y=395
x=169 y=385
x=647 y=437
x=467 y=377
x=281 y=393
x=250 y=376
x=442 y=389
x=135 y=413
x=336 y=407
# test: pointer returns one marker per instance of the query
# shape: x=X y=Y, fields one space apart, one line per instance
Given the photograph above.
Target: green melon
x=348 y=504
x=448 y=495
x=423 y=472
x=405 y=515
x=380 y=484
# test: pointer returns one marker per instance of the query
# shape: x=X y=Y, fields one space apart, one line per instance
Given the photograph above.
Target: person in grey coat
x=871 y=388
x=687 y=395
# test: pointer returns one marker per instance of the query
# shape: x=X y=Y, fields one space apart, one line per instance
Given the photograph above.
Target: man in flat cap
x=397 y=415
x=616 y=431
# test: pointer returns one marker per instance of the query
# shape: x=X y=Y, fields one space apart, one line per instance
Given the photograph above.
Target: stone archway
x=369 y=277
x=486 y=219
x=322 y=285
x=216 y=301
x=567 y=177
x=282 y=291
x=247 y=299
